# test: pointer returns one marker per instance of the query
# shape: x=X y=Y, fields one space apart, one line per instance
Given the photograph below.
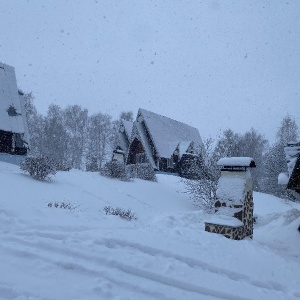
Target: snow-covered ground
x=55 y=253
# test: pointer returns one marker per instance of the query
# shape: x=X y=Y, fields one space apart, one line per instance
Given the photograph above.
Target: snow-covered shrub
x=142 y=171
x=121 y=212
x=64 y=205
x=191 y=166
x=203 y=187
x=39 y=168
x=92 y=164
x=61 y=166
x=203 y=192
x=115 y=169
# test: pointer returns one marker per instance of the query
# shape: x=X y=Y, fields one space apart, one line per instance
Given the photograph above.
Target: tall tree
x=75 y=121
x=252 y=144
x=35 y=125
x=99 y=141
x=288 y=131
x=228 y=145
x=55 y=144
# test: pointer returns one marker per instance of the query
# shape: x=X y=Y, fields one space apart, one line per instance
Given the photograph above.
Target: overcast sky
x=211 y=64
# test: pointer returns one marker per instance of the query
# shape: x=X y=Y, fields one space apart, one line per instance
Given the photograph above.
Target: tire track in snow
x=107 y=263
x=10 y=292
x=80 y=269
x=191 y=262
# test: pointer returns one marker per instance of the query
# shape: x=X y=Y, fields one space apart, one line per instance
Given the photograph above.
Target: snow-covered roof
x=122 y=142
x=128 y=127
x=183 y=147
x=11 y=118
x=167 y=133
x=236 y=162
x=292 y=152
x=124 y=135
x=145 y=144
x=224 y=220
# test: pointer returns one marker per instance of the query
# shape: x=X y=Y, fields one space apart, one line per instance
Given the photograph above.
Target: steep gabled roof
x=141 y=135
x=294 y=180
x=167 y=133
x=292 y=152
x=124 y=135
x=11 y=118
x=236 y=162
x=128 y=127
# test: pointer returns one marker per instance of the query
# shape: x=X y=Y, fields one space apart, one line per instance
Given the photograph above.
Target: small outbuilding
x=233 y=215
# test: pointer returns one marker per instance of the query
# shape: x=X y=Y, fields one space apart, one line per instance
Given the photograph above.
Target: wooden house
x=162 y=142
x=13 y=123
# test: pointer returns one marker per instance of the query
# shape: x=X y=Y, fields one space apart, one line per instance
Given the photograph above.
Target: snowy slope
x=53 y=253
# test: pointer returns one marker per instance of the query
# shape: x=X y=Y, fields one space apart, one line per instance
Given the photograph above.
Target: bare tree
x=75 y=121
x=253 y=144
x=126 y=115
x=288 y=131
x=35 y=125
x=55 y=141
x=99 y=141
x=204 y=189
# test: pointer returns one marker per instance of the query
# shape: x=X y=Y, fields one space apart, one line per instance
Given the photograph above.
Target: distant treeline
x=73 y=137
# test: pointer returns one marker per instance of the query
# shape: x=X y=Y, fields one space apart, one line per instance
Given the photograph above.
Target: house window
x=170 y=163
x=141 y=158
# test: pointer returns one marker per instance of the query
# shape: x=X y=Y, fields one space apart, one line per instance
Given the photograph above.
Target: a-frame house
x=166 y=144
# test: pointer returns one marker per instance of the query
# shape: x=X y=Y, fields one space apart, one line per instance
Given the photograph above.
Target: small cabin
x=233 y=209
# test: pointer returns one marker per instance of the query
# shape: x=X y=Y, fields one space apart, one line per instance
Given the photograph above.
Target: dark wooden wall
x=6 y=144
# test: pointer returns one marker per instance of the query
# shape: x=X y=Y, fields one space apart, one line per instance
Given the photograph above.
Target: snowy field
x=55 y=253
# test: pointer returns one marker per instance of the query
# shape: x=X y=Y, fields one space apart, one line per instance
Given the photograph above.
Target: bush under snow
x=121 y=212
x=115 y=169
x=39 y=168
x=142 y=171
